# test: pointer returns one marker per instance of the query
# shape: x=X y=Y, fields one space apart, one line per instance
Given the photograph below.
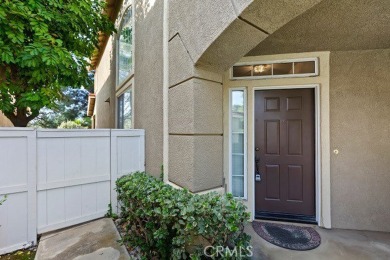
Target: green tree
x=44 y=46
x=71 y=107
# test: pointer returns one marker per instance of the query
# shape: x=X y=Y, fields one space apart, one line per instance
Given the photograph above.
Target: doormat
x=288 y=236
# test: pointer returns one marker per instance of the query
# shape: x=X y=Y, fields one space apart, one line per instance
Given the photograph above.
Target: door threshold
x=286 y=217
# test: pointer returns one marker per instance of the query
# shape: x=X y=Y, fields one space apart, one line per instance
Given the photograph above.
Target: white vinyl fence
x=58 y=178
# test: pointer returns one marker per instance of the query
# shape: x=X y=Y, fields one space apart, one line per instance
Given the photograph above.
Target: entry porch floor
x=98 y=240
x=335 y=244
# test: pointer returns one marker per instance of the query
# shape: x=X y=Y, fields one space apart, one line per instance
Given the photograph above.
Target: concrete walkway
x=95 y=240
x=335 y=244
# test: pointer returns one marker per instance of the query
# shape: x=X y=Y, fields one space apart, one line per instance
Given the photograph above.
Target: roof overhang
x=91 y=104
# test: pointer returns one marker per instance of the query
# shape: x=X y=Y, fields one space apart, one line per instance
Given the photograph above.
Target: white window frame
x=131 y=72
x=118 y=94
x=316 y=70
x=245 y=197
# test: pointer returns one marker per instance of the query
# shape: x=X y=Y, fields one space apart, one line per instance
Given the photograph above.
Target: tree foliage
x=76 y=124
x=71 y=107
x=45 y=45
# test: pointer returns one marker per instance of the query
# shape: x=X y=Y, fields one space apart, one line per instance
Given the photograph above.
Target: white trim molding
x=245 y=148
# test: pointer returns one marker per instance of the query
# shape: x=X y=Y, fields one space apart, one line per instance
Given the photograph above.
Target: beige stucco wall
x=332 y=25
x=360 y=131
x=196 y=101
x=105 y=88
x=205 y=40
x=148 y=80
x=197 y=59
x=145 y=80
x=4 y=121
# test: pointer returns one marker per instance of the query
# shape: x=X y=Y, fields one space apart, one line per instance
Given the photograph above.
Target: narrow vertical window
x=238 y=142
x=124 y=110
x=125 y=46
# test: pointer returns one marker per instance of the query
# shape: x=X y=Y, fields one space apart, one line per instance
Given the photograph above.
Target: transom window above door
x=276 y=69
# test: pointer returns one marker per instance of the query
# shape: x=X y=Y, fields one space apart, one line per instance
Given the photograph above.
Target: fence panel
x=18 y=182
x=127 y=156
x=73 y=177
x=58 y=178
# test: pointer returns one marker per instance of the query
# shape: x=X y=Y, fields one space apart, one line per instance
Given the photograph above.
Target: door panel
x=285 y=138
x=272 y=135
x=272 y=173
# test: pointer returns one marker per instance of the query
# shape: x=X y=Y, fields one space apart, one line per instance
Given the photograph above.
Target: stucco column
x=195 y=122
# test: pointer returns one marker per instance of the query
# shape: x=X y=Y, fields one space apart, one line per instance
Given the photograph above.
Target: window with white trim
x=238 y=154
x=125 y=115
x=305 y=67
x=125 y=46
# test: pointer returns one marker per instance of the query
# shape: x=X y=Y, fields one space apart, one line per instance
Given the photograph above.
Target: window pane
x=238 y=137
x=127 y=110
x=238 y=122
x=304 y=67
x=242 y=71
x=237 y=164
x=125 y=55
x=238 y=101
x=262 y=70
x=238 y=143
x=124 y=110
x=282 y=68
x=238 y=186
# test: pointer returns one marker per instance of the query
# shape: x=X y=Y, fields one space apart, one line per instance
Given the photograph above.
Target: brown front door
x=284 y=141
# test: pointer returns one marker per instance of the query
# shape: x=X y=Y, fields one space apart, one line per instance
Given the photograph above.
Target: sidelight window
x=238 y=164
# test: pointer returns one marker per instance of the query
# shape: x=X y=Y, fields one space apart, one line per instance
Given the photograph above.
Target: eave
x=91 y=104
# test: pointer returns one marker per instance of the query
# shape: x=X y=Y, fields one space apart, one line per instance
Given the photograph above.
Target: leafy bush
x=165 y=222
x=77 y=124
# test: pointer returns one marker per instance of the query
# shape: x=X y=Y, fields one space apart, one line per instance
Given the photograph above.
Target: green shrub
x=3 y=200
x=167 y=223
